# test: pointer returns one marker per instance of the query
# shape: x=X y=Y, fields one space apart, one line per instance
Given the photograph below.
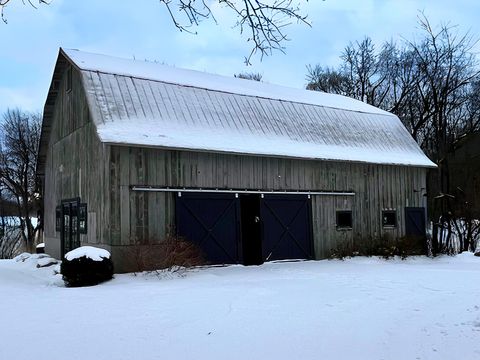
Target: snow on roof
x=168 y=74
x=96 y=254
x=148 y=104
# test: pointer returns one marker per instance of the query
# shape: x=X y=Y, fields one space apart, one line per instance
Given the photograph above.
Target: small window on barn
x=389 y=218
x=58 y=218
x=344 y=219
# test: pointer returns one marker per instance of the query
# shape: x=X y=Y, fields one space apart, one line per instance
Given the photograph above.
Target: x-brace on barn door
x=210 y=221
x=286 y=227
x=247 y=229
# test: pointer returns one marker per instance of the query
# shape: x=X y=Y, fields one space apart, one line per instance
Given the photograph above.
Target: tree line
x=433 y=85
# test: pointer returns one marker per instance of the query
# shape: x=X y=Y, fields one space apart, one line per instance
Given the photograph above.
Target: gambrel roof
x=148 y=104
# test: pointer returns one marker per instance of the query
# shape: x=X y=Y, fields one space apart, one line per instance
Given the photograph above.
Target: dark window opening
x=82 y=218
x=69 y=224
x=344 y=219
x=74 y=218
x=389 y=218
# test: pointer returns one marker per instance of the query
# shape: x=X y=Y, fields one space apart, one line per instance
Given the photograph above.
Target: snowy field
x=362 y=308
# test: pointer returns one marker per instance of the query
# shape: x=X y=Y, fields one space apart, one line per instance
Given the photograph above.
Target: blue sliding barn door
x=247 y=229
x=415 y=222
x=286 y=227
x=211 y=221
x=415 y=229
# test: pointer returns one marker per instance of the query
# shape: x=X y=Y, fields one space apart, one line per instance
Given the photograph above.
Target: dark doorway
x=251 y=229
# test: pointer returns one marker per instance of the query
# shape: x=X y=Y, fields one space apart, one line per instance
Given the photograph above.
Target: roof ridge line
x=167 y=74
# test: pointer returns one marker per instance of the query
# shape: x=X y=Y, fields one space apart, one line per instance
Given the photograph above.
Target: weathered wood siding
x=79 y=165
x=146 y=216
x=75 y=165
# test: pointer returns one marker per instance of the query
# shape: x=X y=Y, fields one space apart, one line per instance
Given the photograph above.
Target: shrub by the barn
x=86 y=266
x=383 y=246
x=172 y=253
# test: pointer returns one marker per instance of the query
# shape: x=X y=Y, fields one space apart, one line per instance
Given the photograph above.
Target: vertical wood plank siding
x=146 y=216
x=77 y=165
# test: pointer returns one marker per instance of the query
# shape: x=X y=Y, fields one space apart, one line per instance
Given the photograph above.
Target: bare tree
x=263 y=20
x=19 y=141
x=249 y=76
x=328 y=80
x=472 y=114
x=433 y=85
x=10 y=239
x=378 y=78
x=446 y=69
x=363 y=70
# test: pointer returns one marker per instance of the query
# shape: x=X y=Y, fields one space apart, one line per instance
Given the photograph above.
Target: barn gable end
x=73 y=163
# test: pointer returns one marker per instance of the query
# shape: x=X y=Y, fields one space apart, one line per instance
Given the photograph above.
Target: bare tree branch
x=4 y=3
x=264 y=20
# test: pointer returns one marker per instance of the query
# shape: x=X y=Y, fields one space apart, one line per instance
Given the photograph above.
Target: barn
x=132 y=151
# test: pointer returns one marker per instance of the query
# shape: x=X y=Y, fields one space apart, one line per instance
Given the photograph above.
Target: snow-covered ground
x=362 y=308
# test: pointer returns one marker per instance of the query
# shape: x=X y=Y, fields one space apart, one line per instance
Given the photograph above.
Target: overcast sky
x=143 y=29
